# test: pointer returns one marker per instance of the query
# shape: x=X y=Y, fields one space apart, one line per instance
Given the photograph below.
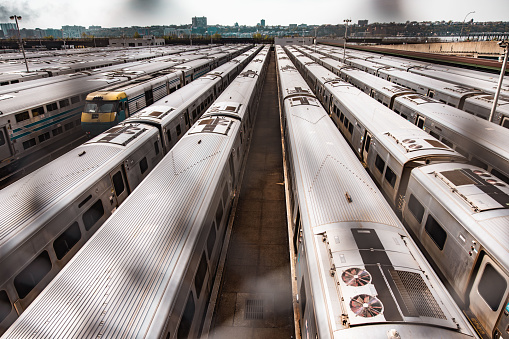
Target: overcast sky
x=123 y=13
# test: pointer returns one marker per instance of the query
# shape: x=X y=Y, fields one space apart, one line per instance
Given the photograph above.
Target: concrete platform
x=255 y=296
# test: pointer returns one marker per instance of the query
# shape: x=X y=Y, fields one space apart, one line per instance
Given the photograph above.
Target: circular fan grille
x=366 y=306
x=356 y=277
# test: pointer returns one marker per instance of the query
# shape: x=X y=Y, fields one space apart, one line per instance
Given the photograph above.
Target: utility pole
x=463 y=24
x=17 y=17
x=344 y=43
x=503 y=44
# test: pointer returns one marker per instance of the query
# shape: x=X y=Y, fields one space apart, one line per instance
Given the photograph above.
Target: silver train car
x=113 y=104
x=36 y=124
x=359 y=274
x=480 y=141
x=388 y=145
x=12 y=71
x=464 y=96
x=460 y=214
x=486 y=200
x=147 y=272
x=79 y=201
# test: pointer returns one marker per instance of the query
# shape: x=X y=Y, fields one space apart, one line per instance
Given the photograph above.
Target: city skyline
x=125 y=13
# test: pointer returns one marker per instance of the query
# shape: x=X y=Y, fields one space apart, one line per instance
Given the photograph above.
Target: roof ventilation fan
x=356 y=277
x=366 y=306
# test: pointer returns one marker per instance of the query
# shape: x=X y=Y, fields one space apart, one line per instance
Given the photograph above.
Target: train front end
x=102 y=111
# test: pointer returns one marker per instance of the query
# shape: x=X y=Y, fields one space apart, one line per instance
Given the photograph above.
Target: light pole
x=504 y=44
x=17 y=17
x=315 y=38
x=463 y=24
x=344 y=42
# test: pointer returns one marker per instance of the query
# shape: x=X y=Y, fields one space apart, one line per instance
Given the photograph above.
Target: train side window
x=211 y=240
x=29 y=143
x=303 y=297
x=476 y=162
x=500 y=176
x=5 y=305
x=350 y=128
x=67 y=240
x=416 y=208
x=168 y=135
x=186 y=118
x=32 y=274
x=445 y=141
x=75 y=99
x=436 y=232
x=118 y=183
x=39 y=110
x=78 y=122
x=57 y=131
x=341 y=116
x=156 y=147
x=69 y=126
x=63 y=103
x=44 y=137
x=143 y=165
x=50 y=107
x=435 y=134
x=379 y=164
x=200 y=275
x=390 y=176
x=187 y=318
x=22 y=116
x=219 y=213
x=2 y=138
x=492 y=287
x=346 y=122
x=505 y=122
x=179 y=130
x=93 y=214
x=461 y=151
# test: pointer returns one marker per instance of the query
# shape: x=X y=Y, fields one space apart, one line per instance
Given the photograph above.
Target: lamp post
x=17 y=17
x=463 y=24
x=504 y=44
x=344 y=42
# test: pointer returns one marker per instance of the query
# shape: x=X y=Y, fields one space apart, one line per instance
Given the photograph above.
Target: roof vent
x=356 y=277
x=367 y=306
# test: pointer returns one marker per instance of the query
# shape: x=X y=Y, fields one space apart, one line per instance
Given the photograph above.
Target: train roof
x=486 y=101
x=36 y=198
x=405 y=140
x=451 y=89
x=380 y=85
x=139 y=254
x=488 y=135
x=347 y=223
x=476 y=198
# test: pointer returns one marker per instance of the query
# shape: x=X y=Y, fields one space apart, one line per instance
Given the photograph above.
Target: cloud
x=19 y=8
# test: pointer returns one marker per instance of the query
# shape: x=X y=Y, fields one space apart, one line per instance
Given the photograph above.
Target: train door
x=5 y=150
x=488 y=294
x=420 y=122
x=120 y=186
x=149 y=97
x=365 y=150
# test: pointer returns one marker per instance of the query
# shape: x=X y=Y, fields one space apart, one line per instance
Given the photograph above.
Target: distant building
x=362 y=22
x=292 y=26
x=56 y=33
x=94 y=28
x=147 y=40
x=9 y=29
x=200 y=22
x=73 y=31
x=262 y=23
x=236 y=24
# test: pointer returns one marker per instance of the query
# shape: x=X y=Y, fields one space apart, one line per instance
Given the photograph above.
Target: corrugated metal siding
x=103 y=291
x=34 y=193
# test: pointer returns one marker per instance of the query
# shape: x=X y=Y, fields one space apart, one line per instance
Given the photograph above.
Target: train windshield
x=101 y=106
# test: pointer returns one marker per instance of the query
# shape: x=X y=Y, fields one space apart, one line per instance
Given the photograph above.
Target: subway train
x=465 y=96
x=13 y=71
x=359 y=274
x=50 y=214
x=147 y=272
x=480 y=141
x=37 y=122
x=478 y=203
